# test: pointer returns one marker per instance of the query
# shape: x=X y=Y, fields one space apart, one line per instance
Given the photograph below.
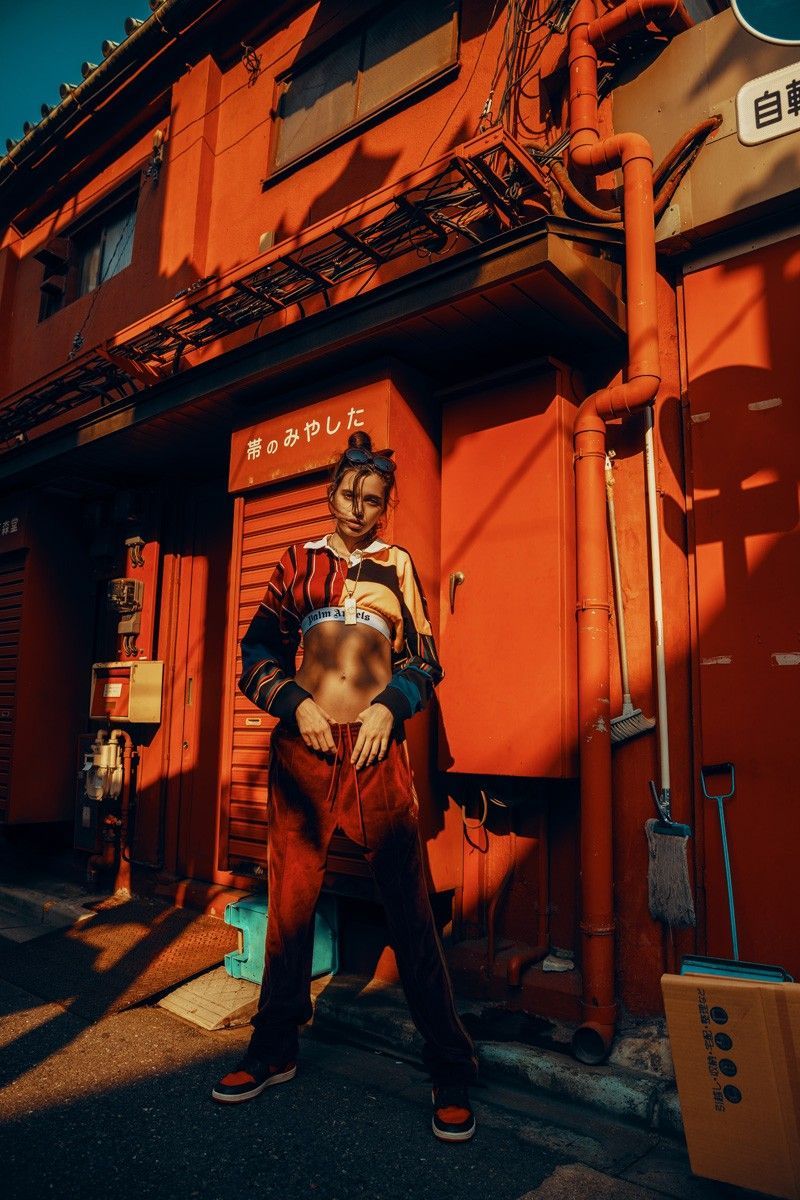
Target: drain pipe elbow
x=587 y=418
x=618 y=400
x=632 y=16
x=592 y=1041
x=620 y=150
x=625 y=399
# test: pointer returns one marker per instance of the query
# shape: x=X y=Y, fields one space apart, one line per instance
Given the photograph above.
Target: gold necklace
x=350 y=607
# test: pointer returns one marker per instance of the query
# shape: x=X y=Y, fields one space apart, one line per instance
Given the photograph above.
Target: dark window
x=377 y=62
x=88 y=254
x=103 y=248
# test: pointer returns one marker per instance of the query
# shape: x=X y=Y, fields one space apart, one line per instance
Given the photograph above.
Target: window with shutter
x=374 y=64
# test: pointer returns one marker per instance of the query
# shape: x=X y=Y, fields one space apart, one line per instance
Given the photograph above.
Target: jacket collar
x=375 y=546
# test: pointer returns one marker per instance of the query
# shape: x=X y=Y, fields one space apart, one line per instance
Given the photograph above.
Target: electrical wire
x=457 y=104
x=524 y=23
x=481 y=824
x=251 y=61
x=666 y=177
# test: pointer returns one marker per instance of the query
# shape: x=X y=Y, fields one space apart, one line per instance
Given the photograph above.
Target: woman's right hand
x=314 y=725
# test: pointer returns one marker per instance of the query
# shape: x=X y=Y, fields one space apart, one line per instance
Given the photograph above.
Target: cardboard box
x=736 y=1049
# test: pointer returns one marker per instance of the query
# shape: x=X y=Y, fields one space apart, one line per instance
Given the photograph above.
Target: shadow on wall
x=743 y=432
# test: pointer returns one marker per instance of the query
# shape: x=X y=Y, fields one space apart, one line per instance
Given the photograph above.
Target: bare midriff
x=344 y=667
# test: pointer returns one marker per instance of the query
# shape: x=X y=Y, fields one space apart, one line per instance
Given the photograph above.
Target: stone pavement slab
x=214 y=1000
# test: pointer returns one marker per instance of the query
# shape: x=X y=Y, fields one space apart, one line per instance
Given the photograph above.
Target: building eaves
x=169 y=24
x=455 y=202
x=551 y=269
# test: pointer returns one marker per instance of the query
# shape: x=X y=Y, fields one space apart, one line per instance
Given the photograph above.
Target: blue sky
x=44 y=44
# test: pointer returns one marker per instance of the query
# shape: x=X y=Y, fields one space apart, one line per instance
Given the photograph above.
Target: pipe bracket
x=590 y=604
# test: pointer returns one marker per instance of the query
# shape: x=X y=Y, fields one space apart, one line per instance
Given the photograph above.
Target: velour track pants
x=310 y=795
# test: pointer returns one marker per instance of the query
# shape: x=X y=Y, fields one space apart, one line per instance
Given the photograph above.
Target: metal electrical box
x=127 y=692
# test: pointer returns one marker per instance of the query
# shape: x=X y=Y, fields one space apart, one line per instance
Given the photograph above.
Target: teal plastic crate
x=250 y=917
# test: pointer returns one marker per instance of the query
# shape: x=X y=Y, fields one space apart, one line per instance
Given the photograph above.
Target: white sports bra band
x=363 y=617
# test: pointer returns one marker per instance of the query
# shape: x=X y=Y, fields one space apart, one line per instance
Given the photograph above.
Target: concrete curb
x=43 y=908
x=377 y=1014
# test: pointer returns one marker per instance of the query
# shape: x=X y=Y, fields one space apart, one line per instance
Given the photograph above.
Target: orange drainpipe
x=633 y=15
x=633 y=154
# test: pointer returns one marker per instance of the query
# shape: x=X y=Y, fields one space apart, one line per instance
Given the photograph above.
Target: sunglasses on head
x=378 y=462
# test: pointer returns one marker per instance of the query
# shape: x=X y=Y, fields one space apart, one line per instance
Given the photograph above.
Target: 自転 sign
x=769 y=107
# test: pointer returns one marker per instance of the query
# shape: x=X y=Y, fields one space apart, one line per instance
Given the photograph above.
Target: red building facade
x=240 y=239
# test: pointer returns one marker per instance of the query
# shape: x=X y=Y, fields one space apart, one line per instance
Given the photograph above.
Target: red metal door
x=745 y=430
x=508 y=645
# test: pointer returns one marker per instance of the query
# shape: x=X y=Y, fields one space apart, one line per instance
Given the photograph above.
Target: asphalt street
x=120 y=1108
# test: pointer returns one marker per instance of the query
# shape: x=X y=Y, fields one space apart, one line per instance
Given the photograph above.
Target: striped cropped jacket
x=310 y=576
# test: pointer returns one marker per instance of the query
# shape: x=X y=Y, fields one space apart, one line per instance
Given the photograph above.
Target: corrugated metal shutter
x=272 y=519
x=12 y=575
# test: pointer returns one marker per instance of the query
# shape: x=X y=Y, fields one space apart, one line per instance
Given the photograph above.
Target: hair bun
x=360 y=441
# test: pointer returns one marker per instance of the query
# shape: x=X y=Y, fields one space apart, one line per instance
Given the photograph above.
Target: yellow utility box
x=736 y=1048
x=127 y=692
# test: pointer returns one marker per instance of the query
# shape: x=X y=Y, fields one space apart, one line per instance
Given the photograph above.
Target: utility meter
x=125 y=595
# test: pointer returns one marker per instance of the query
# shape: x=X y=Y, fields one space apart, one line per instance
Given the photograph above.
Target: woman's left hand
x=377 y=723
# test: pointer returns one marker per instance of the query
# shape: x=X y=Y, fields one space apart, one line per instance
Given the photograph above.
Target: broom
x=669 y=891
x=631 y=722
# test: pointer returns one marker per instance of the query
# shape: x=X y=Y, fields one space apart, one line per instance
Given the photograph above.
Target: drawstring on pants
x=336 y=773
x=331 y=796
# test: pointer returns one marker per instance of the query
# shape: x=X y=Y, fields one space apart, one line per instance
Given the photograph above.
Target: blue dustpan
x=729 y=968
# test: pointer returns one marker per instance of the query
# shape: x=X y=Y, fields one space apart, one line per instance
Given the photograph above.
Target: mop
x=669 y=891
x=631 y=721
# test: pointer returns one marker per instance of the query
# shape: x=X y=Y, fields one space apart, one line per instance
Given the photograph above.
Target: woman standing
x=338 y=759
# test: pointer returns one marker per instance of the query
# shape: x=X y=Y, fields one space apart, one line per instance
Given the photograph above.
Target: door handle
x=455 y=579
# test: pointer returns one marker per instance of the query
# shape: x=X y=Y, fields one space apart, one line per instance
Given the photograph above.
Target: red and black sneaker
x=249 y=1078
x=453 y=1119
